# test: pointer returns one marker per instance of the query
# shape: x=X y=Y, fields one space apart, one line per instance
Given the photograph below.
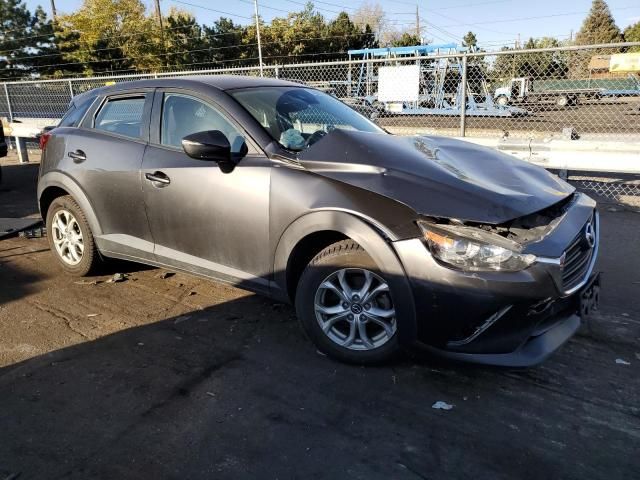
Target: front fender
x=368 y=238
x=66 y=183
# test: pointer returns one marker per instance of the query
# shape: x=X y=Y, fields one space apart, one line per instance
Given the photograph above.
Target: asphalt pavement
x=170 y=376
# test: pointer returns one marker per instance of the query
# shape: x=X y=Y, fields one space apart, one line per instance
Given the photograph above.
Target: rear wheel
x=70 y=237
x=345 y=306
x=502 y=101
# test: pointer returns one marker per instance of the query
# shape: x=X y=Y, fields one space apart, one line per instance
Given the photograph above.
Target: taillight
x=44 y=138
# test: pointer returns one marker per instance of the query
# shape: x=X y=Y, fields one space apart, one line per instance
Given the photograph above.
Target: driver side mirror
x=208 y=145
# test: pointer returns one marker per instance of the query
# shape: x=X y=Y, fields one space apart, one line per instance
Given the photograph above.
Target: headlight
x=470 y=248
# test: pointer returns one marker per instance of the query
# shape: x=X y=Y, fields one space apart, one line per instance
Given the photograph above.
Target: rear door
x=105 y=156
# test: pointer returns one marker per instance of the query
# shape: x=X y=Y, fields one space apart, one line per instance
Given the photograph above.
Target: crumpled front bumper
x=498 y=318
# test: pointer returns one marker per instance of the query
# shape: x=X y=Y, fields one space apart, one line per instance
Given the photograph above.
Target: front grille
x=579 y=256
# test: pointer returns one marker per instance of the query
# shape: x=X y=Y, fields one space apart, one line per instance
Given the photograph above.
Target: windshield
x=298 y=117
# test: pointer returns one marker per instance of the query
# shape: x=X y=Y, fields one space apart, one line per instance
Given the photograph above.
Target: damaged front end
x=506 y=294
x=502 y=251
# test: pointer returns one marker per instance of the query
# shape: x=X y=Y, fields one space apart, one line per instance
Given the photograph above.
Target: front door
x=201 y=218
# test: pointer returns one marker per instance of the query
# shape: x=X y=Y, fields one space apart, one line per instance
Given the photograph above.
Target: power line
x=507 y=20
x=207 y=49
x=211 y=9
x=466 y=5
x=107 y=74
x=481 y=28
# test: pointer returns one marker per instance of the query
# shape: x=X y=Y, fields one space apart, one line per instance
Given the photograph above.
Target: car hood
x=436 y=176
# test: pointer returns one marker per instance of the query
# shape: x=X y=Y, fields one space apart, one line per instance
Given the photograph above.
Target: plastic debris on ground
x=118 y=277
x=620 y=361
x=440 y=405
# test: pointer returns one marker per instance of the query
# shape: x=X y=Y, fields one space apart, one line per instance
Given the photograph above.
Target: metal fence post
x=71 y=89
x=6 y=94
x=463 y=97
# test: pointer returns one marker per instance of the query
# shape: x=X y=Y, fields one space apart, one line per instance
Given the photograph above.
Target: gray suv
x=381 y=242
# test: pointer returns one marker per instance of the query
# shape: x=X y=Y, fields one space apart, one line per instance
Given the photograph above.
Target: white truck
x=562 y=92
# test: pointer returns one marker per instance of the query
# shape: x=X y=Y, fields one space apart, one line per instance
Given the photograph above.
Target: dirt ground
x=171 y=376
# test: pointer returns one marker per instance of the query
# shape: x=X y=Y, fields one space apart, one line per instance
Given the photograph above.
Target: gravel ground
x=170 y=376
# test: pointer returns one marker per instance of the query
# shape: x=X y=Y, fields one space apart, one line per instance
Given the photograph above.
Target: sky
x=495 y=22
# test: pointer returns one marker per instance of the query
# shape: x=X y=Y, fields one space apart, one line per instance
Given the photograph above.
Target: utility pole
x=255 y=7
x=54 y=14
x=158 y=16
x=160 y=24
x=418 y=23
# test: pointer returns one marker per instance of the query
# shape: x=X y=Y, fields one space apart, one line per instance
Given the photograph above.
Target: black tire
x=502 y=101
x=338 y=256
x=89 y=258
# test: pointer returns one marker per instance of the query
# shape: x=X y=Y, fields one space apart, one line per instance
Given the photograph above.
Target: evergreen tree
x=406 y=40
x=470 y=40
x=599 y=26
x=344 y=35
x=225 y=38
x=542 y=65
x=185 y=44
x=27 y=44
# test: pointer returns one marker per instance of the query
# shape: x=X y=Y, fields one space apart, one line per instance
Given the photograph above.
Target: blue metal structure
x=440 y=82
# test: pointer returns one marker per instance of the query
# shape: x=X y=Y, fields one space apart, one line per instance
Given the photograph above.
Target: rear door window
x=123 y=116
x=75 y=113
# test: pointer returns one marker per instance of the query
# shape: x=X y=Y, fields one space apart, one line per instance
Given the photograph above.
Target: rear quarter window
x=123 y=116
x=74 y=115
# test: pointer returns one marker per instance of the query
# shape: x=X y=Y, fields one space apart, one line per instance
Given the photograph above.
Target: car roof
x=219 y=82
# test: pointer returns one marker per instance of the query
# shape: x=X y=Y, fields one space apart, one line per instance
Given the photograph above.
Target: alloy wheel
x=67 y=237
x=354 y=309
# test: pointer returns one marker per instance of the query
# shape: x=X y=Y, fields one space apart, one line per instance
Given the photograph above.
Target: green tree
x=599 y=26
x=225 y=38
x=184 y=42
x=632 y=34
x=304 y=34
x=344 y=35
x=536 y=65
x=470 y=40
x=111 y=35
x=47 y=60
x=16 y=24
x=27 y=46
x=406 y=40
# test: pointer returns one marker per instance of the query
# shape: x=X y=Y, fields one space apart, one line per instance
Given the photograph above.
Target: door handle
x=78 y=156
x=158 y=177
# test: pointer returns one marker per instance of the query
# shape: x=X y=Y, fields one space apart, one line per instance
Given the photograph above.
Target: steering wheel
x=314 y=137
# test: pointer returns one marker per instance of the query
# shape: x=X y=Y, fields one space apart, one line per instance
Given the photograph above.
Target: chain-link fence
x=573 y=91
x=590 y=93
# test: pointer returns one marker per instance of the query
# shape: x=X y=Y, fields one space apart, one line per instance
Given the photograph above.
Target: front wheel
x=345 y=306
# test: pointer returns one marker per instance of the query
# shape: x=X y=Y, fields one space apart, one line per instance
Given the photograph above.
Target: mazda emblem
x=590 y=235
